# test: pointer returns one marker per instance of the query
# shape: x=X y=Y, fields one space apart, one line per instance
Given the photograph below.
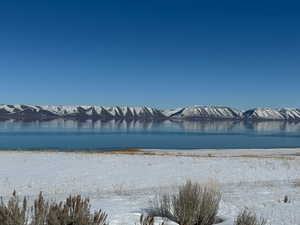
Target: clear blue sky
x=163 y=53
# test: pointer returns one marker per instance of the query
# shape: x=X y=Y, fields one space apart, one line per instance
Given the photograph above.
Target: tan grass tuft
x=74 y=211
x=192 y=204
x=247 y=217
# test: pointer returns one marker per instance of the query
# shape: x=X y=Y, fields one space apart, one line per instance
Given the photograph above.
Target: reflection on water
x=113 y=134
x=176 y=126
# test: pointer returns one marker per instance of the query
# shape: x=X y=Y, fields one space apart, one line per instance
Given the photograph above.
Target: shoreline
x=272 y=152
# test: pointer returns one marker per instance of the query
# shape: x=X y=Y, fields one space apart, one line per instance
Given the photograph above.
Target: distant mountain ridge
x=25 y=112
x=272 y=114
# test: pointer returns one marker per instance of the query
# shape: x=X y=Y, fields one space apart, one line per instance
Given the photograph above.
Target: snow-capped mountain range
x=24 y=112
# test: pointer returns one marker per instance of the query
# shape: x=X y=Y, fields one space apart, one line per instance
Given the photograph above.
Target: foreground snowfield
x=124 y=184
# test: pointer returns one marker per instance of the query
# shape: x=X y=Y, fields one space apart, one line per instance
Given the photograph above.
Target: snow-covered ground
x=124 y=184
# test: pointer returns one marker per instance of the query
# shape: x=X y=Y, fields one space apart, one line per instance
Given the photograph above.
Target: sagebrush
x=75 y=210
x=14 y=212
x=192 y=204
x=247 y=217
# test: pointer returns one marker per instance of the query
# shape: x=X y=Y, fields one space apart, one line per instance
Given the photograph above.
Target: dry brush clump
x=297 y=183
x=192 y=204
x=146 y=220
x=246 y=217
x=14 y=212
x=74 y=211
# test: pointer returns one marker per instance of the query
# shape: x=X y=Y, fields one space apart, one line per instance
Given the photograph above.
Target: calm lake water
x=92 y=135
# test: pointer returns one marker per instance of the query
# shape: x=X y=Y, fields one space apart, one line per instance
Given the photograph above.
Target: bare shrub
x=13 y=213
x=39 y=211
x=146 y=220
x=74 y=211
x=247 y=217
x=193 y=204
x=297 y=183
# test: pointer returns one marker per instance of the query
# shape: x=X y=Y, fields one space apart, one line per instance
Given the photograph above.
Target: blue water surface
x=108 y=135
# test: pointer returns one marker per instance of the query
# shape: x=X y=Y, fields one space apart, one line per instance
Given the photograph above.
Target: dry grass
x=146 y=220
x=296 y=183
x=282 y=157
x=14 y=212
x=74 y=211
x=295 y=154
x=247 y=217
x=132 y=151
x=193 y=204
x=193 y=155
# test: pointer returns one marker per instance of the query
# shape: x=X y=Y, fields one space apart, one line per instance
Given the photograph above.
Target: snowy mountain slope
x=79 y=112
x=263 y=114
x=172 y=112
x=290 y=114
x=23 y=112
x=205 y=113
x=272 y=114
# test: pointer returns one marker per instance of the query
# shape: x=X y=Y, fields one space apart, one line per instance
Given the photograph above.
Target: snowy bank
x=124 y=184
